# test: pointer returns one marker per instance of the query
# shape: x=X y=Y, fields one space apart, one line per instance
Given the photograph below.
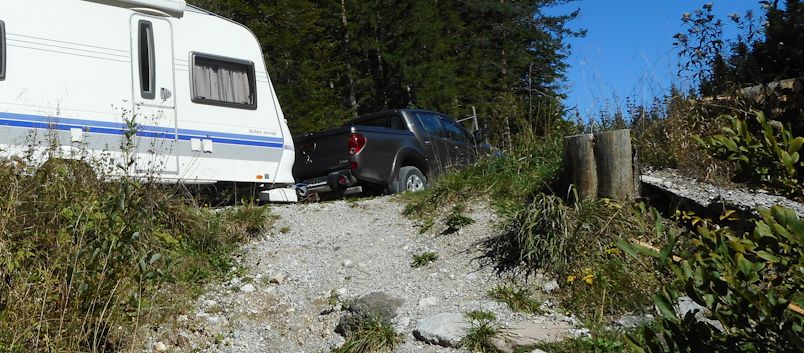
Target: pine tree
x=333 y=59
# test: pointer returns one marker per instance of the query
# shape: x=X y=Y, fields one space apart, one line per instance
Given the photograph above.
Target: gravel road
x=283 y=299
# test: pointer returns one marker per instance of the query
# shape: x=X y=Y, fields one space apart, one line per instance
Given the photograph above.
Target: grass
x=505 y=181
x=85 y=262
x=576 y=243
x=605 y=341
x=423 y=259
x=481 y=332
x=456 y=219
x=372 y=335
x=517 y=298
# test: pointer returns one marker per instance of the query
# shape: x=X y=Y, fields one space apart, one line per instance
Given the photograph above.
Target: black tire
x=411 y=179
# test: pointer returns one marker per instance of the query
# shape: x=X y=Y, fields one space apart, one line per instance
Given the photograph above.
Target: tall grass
x=576 y=243
x=85 y=262
x=506 y=181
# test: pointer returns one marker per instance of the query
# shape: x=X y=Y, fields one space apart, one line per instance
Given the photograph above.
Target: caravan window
x=223 y=81
x=2 y=51
x=146 y=60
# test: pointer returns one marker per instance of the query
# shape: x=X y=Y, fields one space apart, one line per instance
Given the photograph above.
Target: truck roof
x=386 y=112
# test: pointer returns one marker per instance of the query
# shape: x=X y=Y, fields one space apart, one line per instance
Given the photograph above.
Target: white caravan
x=192 y=85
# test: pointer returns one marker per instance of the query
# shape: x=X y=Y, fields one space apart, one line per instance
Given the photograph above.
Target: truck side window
x=378 y=122
x=454 y=130
x=221 y=81
x=2 y=51
x=431 y=125
x=396 y=122
x=146 y=60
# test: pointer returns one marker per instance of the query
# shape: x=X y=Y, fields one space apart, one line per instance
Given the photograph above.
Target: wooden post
x=579 y=163
x=615 y=164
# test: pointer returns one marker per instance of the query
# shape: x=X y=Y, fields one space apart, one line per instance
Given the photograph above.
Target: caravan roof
x=177 y=6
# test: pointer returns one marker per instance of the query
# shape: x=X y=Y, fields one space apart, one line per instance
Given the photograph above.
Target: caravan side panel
x=72 y=75
x=66 y=77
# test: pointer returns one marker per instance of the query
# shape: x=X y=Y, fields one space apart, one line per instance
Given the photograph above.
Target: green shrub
x=747 y=283
x=769 y=157
x=423 y=259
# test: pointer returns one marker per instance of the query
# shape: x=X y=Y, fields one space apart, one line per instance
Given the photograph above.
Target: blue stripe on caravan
x=49 y=119
x=111 y=128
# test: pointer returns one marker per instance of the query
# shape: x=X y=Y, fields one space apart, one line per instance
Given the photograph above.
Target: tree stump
x=601 y=165
x=615 y=165
x=579 y=162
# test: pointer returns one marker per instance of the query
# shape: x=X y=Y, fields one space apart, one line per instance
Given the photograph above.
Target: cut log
x=615 y=165
x=579 y=162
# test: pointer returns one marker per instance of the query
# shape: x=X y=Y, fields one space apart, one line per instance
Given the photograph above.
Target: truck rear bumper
x=334 y=181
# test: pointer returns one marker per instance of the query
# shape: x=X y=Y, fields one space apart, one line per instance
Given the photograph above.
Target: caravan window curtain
x=223 y=81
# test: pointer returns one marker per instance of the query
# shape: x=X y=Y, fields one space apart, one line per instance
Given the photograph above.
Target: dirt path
x=283 y=301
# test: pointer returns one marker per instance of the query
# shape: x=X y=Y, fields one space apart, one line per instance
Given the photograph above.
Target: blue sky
x=628 y=50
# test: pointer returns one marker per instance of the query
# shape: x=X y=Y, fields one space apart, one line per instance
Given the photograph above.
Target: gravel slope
x=348 y=248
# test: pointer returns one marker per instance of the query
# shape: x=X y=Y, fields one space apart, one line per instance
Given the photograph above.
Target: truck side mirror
x=479 y=135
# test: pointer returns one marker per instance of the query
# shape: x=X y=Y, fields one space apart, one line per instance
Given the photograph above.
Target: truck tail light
x=356 y=143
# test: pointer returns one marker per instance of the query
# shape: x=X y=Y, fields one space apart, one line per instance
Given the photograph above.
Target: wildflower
x=589 y=279
x=734 y=17
x=570 y=279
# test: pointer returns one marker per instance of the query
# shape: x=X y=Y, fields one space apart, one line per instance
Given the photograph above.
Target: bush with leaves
x=751 y=285
x=769 y=157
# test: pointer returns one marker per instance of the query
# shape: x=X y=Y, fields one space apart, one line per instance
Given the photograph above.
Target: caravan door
x=154 y=110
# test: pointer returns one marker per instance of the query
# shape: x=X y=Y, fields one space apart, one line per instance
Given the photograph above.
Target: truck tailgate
x=319 y=154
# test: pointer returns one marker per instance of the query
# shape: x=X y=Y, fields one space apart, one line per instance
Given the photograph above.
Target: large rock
x=527 y=334
x=376 y=305
x=445 y=329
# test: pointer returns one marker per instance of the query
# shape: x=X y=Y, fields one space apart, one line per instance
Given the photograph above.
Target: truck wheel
x=411 y=179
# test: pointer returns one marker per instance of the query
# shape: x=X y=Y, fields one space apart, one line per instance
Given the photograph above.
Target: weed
x=605 y=341
x=248 y=219
x=372 y=335
x=423 y=259
x=456 y=219
x=517 y=298
x=85 y=262
x=481 y=332
x=506 y=180
x=540 y=233
x=576 y=243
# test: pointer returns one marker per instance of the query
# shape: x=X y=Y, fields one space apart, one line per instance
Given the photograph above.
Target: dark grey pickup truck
x=391 y=151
